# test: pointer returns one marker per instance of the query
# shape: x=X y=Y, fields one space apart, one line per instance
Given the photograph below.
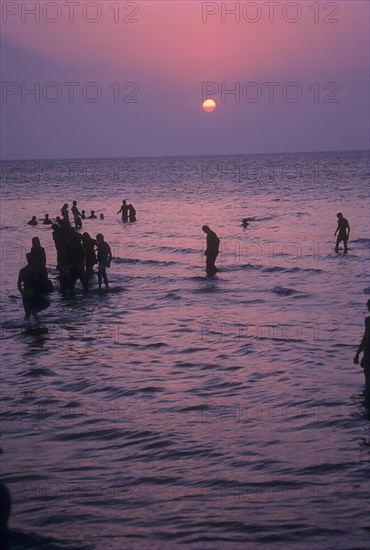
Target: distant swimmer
x=76 y=215
x=101 y=216
x=83 y=214
x=47 y=220
x=104 y=259
x=213 y=245
x=65 y=214
x=92 y=216
x=365 y=348
x=28 y=286
x=132 y=213
x=343 y=235
x=32 y=221
x=244 y=223
x=124 y=210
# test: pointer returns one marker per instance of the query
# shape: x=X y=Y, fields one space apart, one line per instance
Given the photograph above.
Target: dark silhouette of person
x=343 y=231
x=211 y=253
x=365 y=348
x=29 y=287
x=77 y=261
x=38 y=261
x=32 y=221
x=101 y=216
x=76 y=215
x=244 y=223
x=47 y=220
x=92 y=215
x=65 y=214
x=5 y=509
x=124 y=210
x=89 y=254
x=104 y=259
x=58 y=220
x=83 y=214
x=132 y=213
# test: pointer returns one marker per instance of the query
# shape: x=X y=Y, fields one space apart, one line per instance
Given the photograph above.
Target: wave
x=142 y=262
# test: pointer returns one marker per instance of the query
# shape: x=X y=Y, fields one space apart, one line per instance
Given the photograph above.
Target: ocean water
x=176 y=409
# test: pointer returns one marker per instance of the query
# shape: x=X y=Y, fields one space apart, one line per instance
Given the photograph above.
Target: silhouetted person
x=65 y=214
x=76 y=215
x=83 y=214
x=89 y=254
x=77 y=260
x=38 y=261
x=244 y=223
x=32 y=221
x=58 y=220
x=343 y=231
x=211 y=253
x=132 y=213
x=29 y=287
x=101 y=216
x=92 y=215
x=38 y=254
x=365 y=348
x=124 y=210
x=5 y=509
x=47 y=220
x=104 y=259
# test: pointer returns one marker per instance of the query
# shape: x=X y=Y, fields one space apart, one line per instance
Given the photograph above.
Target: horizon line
x=183 y=155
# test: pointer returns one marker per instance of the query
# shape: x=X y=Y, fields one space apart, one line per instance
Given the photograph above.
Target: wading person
x=104 y=259
x=211 y=253
x=343 y=231
x=365 y=348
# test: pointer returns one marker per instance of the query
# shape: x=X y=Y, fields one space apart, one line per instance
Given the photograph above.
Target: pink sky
x=169 y=53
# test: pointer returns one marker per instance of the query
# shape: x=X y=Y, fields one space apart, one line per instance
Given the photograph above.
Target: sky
x=100 y=79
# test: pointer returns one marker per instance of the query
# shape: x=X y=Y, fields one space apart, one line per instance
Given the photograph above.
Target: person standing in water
x=124 y=210
x=213 y=245
x=132 y=213
x=343 y=235
x=365 y=348
x=65 y=214
x=29 y=287
x=104 y=259
x=76 y=215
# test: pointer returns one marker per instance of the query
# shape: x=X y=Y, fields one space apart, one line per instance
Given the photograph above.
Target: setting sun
x=209 y=105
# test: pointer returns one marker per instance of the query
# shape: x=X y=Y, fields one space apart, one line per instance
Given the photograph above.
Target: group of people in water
x=76 y=256
x=127 y=210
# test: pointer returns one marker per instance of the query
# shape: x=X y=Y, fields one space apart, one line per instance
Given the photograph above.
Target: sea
x=178 y=410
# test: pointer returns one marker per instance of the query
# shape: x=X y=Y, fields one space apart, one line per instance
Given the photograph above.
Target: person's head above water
x=36 y=241
x=74 y=203
x=99 y=237
x=339 y=215
x=92 y=212
x=46 y=215
x=206 y=229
